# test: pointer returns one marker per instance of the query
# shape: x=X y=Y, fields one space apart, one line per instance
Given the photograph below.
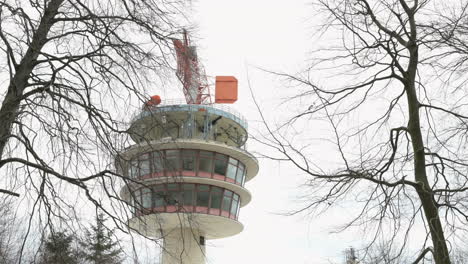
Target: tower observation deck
x=187 y=171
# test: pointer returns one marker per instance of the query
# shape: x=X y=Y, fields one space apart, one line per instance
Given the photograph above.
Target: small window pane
x=159 y=187
x=146 y=198
x=172 y=160
x=144 y=167
x=203 y=187
x=173 y=197
x=203 y=198
x=188 y=160
x=220 y=167
x=233 y=161
x=172 y=164
x=215 y=189
x=205 y=164
x=188 y=197
x=207 y=154
x=231 y=171
x=226 y=203
x=134 y=168
x=221 y=157
x=172 y=152
x=172 y=186
x=188 y=186
x=157 y=162
x=216 y=197
x=159 y=199
x=136 y=199
x=240 y=175
x=189 y=152
x=235 y=204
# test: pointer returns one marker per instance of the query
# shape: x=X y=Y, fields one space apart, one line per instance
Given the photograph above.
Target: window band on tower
x=189 y=163
x=186 y=197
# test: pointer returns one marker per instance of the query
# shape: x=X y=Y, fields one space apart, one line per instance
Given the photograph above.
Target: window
x=199 y=163
x=235 y=204
x=133 y=168
x=240 y=173
x=159 y=196
x=169 y=197
x=202 y=199
x=146 y=197
x=188 y=186
x=188 y=160
x=220 y=164
x=137 y=198
x=216 y=197
x=231 y=171
x=159 y=199
x=203 y=195
x=206 y=161
x=173 y=198
x=136 y=201
x=226 y=200
x=188 y=193
x=172 y=186
x=203 y=188
x=157 y=162
x=144 y=165
x=233 y=161
x=172 y=162
x=173 y=195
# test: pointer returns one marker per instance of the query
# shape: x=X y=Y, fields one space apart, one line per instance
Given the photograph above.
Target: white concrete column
x=182 y=246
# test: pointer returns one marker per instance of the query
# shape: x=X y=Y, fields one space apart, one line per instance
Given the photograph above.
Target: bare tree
x=449 y=28
x=71 y=70
x=380 y=253
x=396 y=118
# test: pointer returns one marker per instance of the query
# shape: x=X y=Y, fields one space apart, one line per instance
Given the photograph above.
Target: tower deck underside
x=208 y=226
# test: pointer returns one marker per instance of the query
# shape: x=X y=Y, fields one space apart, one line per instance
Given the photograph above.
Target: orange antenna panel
x=225 y=89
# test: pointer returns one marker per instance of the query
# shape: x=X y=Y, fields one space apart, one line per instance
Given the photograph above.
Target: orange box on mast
x=225 y=89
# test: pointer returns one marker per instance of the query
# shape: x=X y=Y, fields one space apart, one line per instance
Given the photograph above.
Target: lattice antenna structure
x=191 y=72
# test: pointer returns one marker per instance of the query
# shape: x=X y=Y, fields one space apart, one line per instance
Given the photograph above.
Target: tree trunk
x=441 y=254
x=10 y=106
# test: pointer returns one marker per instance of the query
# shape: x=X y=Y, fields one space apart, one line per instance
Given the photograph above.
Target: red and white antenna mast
x=191 y=73
x=194 y=81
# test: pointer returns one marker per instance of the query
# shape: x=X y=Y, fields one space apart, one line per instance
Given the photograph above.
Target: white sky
x=274 y=35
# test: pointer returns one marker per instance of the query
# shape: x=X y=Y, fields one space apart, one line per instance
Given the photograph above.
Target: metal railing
x=181 y=105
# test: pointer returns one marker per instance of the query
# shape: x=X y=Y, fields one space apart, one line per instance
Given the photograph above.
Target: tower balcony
x=175 y=119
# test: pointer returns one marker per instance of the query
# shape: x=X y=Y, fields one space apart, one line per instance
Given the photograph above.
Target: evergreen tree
x=58 y=249
x=8 y=245
x=102 y=249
